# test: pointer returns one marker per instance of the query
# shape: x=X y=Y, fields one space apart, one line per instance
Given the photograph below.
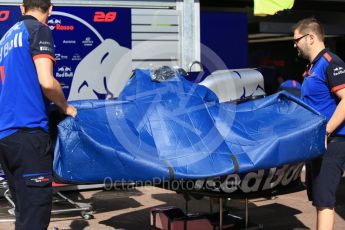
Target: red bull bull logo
x=64 y=71
x=56 y=24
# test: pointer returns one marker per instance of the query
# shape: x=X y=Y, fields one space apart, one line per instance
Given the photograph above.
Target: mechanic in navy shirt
x=26 y=84
x=323 y=88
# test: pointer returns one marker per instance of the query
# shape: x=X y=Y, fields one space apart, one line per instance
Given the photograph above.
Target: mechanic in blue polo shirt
x=323 y=88
x=26 y=84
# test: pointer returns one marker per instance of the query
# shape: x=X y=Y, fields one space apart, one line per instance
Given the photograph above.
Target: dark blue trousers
x=26 y=158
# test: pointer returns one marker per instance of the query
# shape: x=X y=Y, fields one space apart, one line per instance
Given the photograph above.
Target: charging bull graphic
x=102 y=73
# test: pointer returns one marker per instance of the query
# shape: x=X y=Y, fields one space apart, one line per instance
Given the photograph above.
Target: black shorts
x=323 y=175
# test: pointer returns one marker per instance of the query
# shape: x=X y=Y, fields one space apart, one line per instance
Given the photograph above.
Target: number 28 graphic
x=101 y=16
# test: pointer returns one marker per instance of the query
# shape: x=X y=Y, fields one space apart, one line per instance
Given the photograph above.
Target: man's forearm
x=56 y=95
x=337 y=118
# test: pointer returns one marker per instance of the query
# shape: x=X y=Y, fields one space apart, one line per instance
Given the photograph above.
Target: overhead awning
x=271 y=7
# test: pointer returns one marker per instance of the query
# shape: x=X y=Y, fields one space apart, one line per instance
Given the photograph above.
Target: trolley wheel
x=12 y=211
x=86 y=215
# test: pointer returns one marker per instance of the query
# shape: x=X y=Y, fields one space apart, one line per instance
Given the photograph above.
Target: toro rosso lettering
x=56 y=24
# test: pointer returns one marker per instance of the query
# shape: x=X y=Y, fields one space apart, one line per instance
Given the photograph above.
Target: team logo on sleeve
x=40 y=179
x=46 y=46
x=338 y=71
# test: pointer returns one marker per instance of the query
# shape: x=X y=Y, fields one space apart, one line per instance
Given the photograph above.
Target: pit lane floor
x=130 y=209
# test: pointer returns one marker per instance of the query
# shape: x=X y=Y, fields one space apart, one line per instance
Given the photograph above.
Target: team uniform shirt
x=22 y=103
x=323 y=77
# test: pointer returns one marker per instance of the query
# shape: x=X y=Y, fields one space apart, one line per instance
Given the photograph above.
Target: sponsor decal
x=69 y=42
x=76 y=57
x=46 y=48
x=252 y=182
x=56 y=24
x=87 y=42
x=59 y=57
x=64 y=71
x=40 y=179
x=44 y=43
x=64 y=86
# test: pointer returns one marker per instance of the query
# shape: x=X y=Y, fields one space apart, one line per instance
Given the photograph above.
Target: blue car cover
x=176 y=129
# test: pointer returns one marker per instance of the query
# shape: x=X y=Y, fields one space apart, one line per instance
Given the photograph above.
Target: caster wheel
x=87 y=216
x=12 y=212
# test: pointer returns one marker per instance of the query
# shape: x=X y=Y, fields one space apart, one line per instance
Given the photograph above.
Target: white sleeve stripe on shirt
x=15 y=40
x=20 y=39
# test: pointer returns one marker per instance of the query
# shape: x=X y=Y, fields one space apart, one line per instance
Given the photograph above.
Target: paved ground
x=130 y=210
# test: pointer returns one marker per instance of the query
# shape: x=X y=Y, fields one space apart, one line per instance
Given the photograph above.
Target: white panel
x=230 y=85
x=150 y=64
x=165 y=12
x=155 y=36
x=157 y=29
x=189 y=31
x=154 y=20
x=155 y=50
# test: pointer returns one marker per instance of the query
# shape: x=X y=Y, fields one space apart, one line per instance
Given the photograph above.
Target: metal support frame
x=190 y=31
x=186 y=206
x=246 y=214
x=84 y=208
x=6 y=194
x=221 y=211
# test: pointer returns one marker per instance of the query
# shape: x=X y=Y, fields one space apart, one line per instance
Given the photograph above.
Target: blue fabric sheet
x=177 y=129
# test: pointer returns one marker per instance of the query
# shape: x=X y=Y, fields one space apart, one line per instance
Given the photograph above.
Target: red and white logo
x=40 y=179
x=56 y=24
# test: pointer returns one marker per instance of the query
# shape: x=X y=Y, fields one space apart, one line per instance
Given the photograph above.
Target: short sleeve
x=42 y=44
x=336 y=76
